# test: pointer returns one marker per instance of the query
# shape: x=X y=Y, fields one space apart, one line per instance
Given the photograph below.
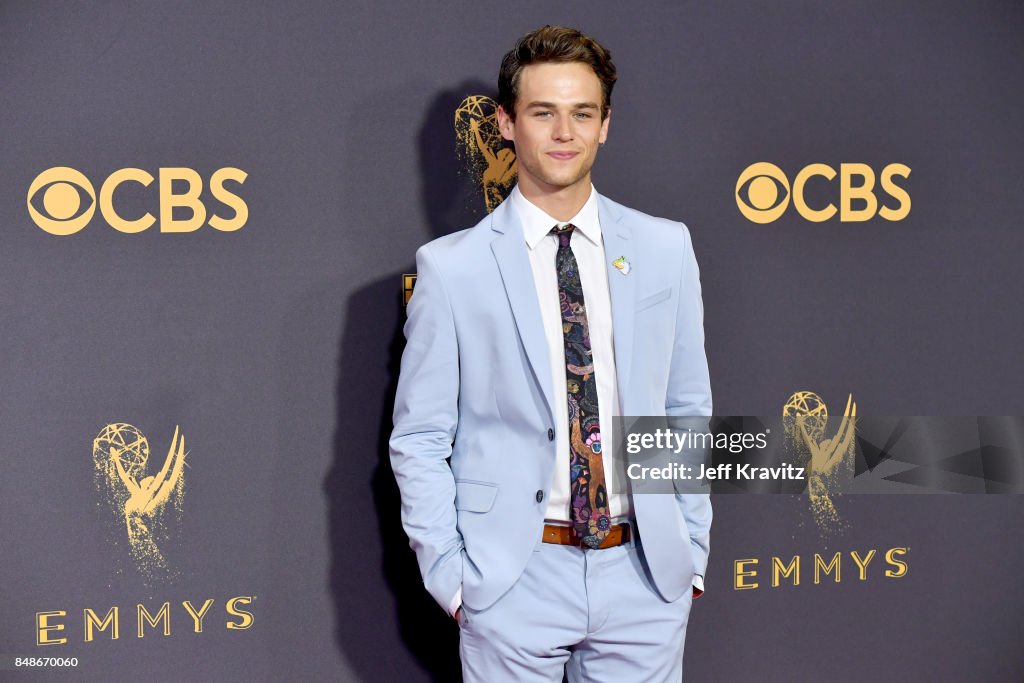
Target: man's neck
x=562 y=203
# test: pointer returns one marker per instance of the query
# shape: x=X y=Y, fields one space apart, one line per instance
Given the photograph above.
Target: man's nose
x=563 y=131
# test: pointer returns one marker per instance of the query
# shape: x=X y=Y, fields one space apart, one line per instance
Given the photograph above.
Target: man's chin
x=562 y=181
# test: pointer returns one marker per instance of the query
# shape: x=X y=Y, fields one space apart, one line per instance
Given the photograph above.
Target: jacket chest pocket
x=654 y=299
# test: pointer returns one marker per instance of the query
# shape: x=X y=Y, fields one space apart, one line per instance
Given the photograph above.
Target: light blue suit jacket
x=475 y=386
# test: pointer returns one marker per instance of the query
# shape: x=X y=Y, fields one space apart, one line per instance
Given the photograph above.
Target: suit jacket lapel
x=509 y=249
x=618 y=242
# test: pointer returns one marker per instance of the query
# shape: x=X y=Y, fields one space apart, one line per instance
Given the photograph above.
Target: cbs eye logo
x=763 y=193
x=62 y=201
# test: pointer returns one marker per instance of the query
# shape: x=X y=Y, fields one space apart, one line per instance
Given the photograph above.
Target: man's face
x=558 y=125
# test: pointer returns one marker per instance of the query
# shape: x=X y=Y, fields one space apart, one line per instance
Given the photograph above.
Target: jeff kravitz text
x=745 y=471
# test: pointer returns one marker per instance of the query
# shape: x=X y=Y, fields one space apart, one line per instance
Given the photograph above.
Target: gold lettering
x=896 y=192
x=229 y=198
x=190 y=199
x=819 y=564
x=107 y=200
x=785 y=570
x=198 y=616
x=901 y=567
x=246 y=617
x=91 y=621
x=43 y=628
x=848 y=192
x=815 y=215
x=862 y=564
x=740 y=573
x=146 y=618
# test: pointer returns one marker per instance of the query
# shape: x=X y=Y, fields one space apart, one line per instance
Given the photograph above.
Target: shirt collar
x=537 y=223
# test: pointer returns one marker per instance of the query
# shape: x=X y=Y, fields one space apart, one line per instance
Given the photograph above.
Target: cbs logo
x=763 y=192
x=62 y=201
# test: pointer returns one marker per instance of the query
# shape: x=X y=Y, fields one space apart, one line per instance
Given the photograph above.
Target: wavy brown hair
x=554 y=44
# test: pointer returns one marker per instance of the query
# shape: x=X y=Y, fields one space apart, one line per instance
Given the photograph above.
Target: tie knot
x=564 y=233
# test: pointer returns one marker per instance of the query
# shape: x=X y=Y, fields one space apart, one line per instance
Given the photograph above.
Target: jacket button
x=551 y=435
x=540 y=496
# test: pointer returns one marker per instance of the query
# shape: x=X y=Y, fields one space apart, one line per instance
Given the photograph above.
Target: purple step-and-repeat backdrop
x=209 y=212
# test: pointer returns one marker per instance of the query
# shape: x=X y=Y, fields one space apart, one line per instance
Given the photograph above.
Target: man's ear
x=604 y=127
x=506 y=125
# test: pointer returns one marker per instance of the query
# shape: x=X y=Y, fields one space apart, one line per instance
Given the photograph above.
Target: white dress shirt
x=588 y=248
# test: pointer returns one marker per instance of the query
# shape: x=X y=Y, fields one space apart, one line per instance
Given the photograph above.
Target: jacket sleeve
x=425 y=422
x=689 y=393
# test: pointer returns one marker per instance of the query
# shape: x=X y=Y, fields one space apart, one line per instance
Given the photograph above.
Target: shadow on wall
x=409 y=633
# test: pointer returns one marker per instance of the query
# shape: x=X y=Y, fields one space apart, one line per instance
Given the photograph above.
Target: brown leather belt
x=566 y=535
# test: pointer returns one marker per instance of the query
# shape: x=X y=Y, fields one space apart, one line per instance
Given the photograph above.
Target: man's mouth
x=562 y=156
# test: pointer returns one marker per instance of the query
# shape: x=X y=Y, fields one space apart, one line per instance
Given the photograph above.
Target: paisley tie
x=588 y=491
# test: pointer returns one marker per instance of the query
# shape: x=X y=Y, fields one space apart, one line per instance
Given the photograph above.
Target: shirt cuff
x=456 y=602
x=698 y=586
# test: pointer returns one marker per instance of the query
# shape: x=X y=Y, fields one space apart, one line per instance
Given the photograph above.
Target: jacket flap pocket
x=652 y=299
x=474 y=496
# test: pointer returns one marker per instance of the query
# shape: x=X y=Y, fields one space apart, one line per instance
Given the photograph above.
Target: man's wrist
x=455 y=604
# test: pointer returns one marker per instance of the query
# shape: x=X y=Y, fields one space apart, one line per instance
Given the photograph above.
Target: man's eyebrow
x=552 y=105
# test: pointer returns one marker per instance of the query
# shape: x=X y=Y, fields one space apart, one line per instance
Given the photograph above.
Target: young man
x=526 y=334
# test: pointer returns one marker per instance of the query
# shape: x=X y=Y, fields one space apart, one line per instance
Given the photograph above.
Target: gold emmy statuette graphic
x=489 y=161
x=408 y=283
x=120 y=454
x=831 y=459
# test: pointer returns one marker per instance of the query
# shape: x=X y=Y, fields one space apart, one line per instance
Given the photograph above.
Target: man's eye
x=542 y=113
x=583 y=115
